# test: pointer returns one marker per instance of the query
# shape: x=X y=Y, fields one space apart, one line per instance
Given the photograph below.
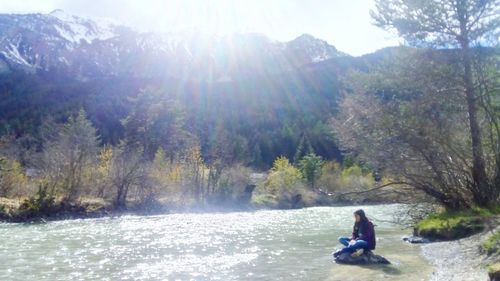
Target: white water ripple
x=261 y=245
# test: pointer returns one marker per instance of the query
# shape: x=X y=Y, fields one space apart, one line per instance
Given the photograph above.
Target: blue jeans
x=352 y=248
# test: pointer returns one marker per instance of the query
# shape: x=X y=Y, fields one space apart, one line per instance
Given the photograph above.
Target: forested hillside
x=264 y=116
x=94 y=108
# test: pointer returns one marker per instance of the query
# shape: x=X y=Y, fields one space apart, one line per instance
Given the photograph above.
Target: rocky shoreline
x=459 y=260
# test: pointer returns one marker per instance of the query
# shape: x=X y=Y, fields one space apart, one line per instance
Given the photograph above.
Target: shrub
x=265 y=200
x=40 y=204
x=330 y=176
x=232 y=182
x=13 y=180
x=355 y=178
x=282 y=176
x=128 y=171
x=334 y=177
x=102 y=173
x=69 y=153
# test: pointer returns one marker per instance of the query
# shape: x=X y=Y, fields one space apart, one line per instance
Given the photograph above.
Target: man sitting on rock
x=363 y=236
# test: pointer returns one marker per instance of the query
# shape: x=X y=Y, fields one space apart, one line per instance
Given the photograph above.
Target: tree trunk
x=123 y=200
x=480 y=186
x=120 y=195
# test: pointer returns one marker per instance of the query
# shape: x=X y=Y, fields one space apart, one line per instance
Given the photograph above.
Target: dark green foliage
x=155 y=121
x=266 y=114
x=303 y=149
x=310 y=165
x=41 y=204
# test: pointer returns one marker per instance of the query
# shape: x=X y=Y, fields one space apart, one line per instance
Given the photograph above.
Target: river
x=260 y=245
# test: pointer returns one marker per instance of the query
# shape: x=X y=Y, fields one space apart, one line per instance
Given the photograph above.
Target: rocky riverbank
x=464 y=259
x=460 y=259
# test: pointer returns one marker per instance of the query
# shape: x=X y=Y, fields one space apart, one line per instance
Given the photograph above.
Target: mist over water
x=261 y=245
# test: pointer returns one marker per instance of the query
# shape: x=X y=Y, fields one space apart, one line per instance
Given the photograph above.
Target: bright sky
x=346 y=24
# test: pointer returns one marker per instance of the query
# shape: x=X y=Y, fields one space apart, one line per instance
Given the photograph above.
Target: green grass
x=449 y=225
x=492 y=245
x=493 y=268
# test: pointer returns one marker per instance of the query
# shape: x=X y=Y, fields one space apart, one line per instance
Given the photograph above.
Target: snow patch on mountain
x=13 y=54
x=76 y=29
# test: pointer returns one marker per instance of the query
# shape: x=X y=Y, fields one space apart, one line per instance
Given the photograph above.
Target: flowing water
x=261 y=245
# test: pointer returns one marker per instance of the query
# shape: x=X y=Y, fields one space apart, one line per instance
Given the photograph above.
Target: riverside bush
x=450 y=225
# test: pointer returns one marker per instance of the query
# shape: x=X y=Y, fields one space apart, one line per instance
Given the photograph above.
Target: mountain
x=87 y=48
x=261 y=98
x=311 y=49
x=41 y=41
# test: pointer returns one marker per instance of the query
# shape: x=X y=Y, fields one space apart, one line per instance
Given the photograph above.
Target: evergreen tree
x=311 y=165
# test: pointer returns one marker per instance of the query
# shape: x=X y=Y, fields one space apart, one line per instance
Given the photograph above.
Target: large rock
x=415 y=239
x=367 y=257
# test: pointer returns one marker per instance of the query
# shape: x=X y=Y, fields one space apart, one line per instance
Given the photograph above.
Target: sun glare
x=215 y=17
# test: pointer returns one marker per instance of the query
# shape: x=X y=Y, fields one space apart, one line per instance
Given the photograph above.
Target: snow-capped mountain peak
x=75 y=29
x=88 y=47
x=60 y=14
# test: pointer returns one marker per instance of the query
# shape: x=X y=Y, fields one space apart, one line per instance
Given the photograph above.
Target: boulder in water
x=415 y=239
x=368 y=257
